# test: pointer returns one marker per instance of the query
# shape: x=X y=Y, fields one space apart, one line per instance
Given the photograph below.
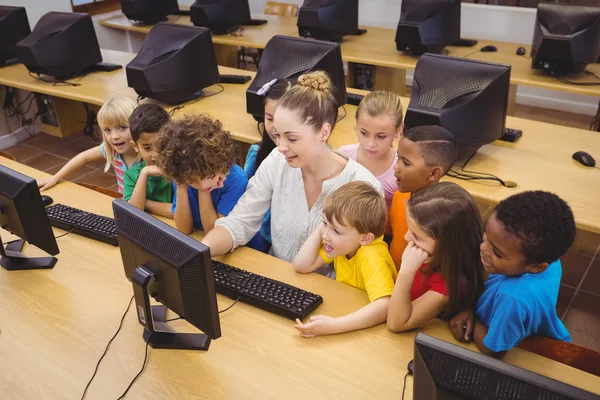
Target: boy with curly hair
x=199 y=155
x=522 y=243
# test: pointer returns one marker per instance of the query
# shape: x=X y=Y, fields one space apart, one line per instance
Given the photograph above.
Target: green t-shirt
x=157 y=188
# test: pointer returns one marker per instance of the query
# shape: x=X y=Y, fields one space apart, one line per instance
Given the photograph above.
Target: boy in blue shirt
x=522 y=243
x=200 y=157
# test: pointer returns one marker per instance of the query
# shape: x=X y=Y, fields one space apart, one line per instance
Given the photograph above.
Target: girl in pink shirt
x=379 y=123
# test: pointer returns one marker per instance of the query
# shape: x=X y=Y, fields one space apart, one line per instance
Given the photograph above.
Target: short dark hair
x=542 y=221
x=436 y=144
x=147 y=118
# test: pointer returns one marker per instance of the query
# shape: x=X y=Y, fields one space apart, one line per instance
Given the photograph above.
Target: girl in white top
x=379 y=124
x=295 y=178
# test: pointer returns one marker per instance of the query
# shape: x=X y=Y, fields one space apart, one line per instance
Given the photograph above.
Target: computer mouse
x=489 y=49
x=584 y=158
x=47 y=200
x=521 y=51
x=411 y=367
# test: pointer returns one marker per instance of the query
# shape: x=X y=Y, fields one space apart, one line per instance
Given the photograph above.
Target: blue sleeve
x=507 y=325
x=174 y=199
x=234 y=188
x=250 y=164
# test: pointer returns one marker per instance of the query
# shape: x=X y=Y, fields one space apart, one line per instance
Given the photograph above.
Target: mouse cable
x=564 y=80
x=404 y=386
x=54 y=83
x=202 y=95
x=343 y=116
x=64 y=234
x=107 y=346
x=470 y=54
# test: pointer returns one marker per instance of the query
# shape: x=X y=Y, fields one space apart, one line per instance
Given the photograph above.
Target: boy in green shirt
x=143 y=184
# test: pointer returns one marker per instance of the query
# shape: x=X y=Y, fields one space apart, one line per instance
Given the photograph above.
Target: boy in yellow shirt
x=351 y=236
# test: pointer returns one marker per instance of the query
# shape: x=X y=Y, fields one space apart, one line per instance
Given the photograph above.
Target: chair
x=102 y=190
x=566 y=353
x=7 y=155
x=252 y=56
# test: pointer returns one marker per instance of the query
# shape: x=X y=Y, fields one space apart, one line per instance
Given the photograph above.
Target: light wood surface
x=94 y=88
x=56 y=323
x=252 y=36
x=378 y=47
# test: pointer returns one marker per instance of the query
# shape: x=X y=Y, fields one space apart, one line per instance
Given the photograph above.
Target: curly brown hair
x=194 y=146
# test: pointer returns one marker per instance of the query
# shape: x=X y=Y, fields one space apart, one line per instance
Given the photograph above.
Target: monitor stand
x=156 y=332
x=11 y=258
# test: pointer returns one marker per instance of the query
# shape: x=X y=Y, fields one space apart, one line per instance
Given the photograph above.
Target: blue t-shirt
x=223 y=199
x=250 y=168
x=514 y=308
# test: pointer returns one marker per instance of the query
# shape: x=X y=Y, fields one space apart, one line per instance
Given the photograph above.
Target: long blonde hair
x=381 y=102
x=114 y=112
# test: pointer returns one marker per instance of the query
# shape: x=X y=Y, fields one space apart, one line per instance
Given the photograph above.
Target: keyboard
x=83 y=223
x=354 y=99
x=511 y=135
x=239 y=79
x=264 y=293
x=255 y=22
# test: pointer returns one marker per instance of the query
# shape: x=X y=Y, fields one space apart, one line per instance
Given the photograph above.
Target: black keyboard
x=83 y=223
x=511 y=135
x=267 y=294
x=255 y=22
x=239 y=79
x=354 y=99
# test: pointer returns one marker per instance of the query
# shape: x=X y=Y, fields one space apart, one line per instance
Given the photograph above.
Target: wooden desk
x=250 y=36
x=378 y=47
x=56 y=323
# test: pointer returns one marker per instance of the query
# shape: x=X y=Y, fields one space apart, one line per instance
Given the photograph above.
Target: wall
x=37 y=8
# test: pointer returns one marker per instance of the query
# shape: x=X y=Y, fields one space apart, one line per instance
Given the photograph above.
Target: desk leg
x=227 y=55
x=512 y=100
x=243 y=151
x=391 y=79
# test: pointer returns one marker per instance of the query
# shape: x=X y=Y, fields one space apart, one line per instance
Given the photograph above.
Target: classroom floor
x=581 y=315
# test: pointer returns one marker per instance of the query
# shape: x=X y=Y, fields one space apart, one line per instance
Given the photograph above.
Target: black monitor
x=172 y=268
x=220 y=16
x=175 y=63
x=446 y=371
x=427 y=26
x=566 y=38
x=328 y=19
x=14 y=27
x=466 y=97
x=289 y=57
x=61 y=45
x=149 y=12
x=23 y=214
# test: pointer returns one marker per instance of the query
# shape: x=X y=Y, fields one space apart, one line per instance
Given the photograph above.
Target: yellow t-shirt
x=371 y=269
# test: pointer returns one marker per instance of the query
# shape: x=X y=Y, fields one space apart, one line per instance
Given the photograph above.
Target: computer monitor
x=328 y=19
x=149 y=12
x=23 y=214
x=566 y=38
x=427 y=26
x=220 y=16
x=14 y=27
x=446 y=371
x=466 y=97
x=174 y=269
x=175 y=63
x=290 y=57
x=61 y=45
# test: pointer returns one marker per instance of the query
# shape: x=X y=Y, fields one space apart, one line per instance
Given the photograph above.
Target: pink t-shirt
x=387 y=179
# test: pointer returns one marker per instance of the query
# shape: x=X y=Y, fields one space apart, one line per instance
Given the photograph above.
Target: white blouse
x=280 y=187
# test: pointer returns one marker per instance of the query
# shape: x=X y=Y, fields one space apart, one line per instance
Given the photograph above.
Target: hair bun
x=318 y=80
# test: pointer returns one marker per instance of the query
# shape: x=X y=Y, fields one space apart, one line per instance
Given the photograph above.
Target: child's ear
x=134 y=146
x=436 y=174
x=367 y=239
x=399 y=131
x=537 y=268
